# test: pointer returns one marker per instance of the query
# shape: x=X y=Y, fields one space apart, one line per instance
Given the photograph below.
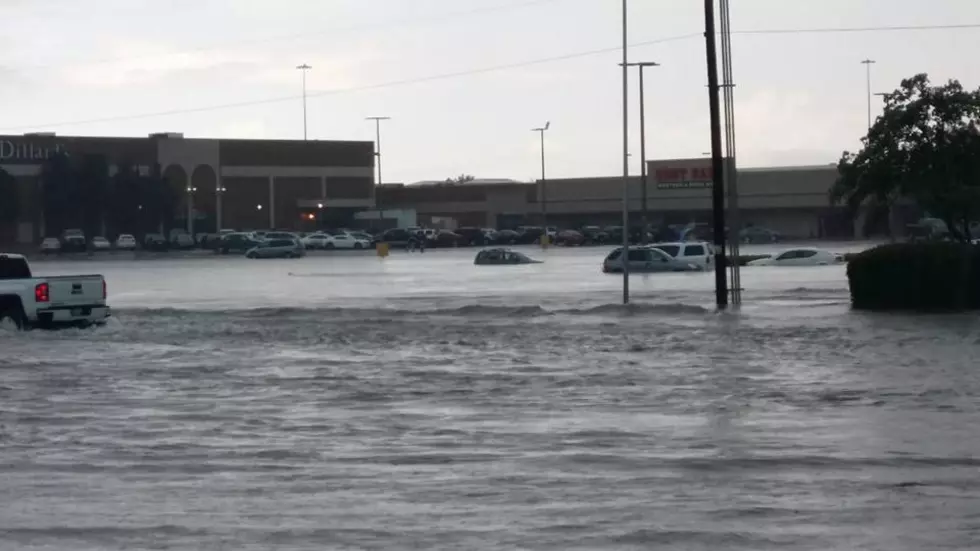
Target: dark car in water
x=529 y=234
x=156 y=242
x=502 y=257
x=235 y=243
x=507 y=237
x=472 y=237
x=445 y=238
x=399 y=237
x=73 y=241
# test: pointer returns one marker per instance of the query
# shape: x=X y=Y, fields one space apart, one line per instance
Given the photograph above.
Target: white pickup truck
x=27 y=301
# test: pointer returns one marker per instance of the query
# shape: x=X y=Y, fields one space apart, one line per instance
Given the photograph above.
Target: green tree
x=925 y=147
x=461 y=179
x=9 y=199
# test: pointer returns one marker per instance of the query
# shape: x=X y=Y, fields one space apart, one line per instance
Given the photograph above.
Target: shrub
x=916 y=276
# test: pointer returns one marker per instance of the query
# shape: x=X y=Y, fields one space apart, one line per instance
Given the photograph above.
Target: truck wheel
x=11 y=318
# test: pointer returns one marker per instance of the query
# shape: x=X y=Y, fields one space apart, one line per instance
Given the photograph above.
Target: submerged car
x=125 y=242
x=502 y=257
x=646 y=260
x=800 y=257
x=277 y=248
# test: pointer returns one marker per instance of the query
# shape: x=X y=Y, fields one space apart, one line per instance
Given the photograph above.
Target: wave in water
x=466 y=311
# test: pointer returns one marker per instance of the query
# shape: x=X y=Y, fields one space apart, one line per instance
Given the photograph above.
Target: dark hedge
x=927 y=277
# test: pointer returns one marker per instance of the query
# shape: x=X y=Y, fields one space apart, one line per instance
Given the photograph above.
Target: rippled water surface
x=420 y=402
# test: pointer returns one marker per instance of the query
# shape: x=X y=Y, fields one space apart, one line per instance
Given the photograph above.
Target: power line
x=861 y=29
x=489 y=69
x=299 y=36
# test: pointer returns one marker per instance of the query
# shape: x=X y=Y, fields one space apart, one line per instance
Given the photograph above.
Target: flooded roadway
x=347 y=402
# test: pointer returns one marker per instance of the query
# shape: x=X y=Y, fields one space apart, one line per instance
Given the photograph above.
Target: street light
x=641 y=65
x=304 y=68
x=544 y=186
x=867 y=65
x=626 y=158
x=377 y=153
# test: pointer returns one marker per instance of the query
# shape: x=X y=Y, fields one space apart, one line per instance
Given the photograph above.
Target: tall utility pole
x=731 y=173
x=377 y=154
x=867 y=66
x=626 y=156
x=304 y=68
x=643 y=137
x=717 y=163
x=544 y=185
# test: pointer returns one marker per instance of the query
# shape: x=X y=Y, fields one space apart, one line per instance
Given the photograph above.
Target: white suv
x=698 y=253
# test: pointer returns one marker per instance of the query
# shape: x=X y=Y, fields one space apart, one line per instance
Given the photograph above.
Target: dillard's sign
x=27 y=151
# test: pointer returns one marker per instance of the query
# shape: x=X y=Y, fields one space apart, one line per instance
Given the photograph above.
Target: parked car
x=644 y=259
x=345 y=241
x=50 y=245
x=698 y=253
x=800 y=257
x=100 y=243
x=445 y=238
x=278 y=235
x=125 y=242
x=758 y=234
x=398 y=237
x=236 y=243
x=155 y=242
x=593 y=235
x=569 y=238
x=529 y=234
x=472 y=236
x=507 y=237
x=182 y=241
x=28 y=301
x=315 y=240
x=502 y=257
x=73 y=241
x=277 y=248
x=363 y=236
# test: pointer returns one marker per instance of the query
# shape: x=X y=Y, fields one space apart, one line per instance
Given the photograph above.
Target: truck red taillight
x=41 y=293
x=103 y=290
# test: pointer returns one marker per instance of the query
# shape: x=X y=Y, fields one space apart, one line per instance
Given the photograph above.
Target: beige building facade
x=791 y=200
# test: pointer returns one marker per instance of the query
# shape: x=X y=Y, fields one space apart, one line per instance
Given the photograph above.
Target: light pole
x=544 y=186
x=304 y=68
x=867 y=66
x=643 y=137
x=377 y=154
x=190 y=209
x=626 y=157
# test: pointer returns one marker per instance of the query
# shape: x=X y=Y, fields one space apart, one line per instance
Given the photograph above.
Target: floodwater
x=342 y=401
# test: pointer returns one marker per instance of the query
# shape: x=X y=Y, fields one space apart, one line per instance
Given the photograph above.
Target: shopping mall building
x=791 y=200
x=302 y=185
x=220 y=183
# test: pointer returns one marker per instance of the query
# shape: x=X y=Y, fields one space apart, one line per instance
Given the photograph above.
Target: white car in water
x=100 y=243
x=804 y=256
x=51 y=245
x=315 y=240
x=125 y=242
x=697 y=253
x=345 y=241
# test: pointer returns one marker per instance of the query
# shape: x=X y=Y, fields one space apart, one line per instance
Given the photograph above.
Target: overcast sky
x=226 y=68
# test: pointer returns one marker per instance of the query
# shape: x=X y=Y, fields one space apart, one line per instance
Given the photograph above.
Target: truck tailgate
x=75 y=290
